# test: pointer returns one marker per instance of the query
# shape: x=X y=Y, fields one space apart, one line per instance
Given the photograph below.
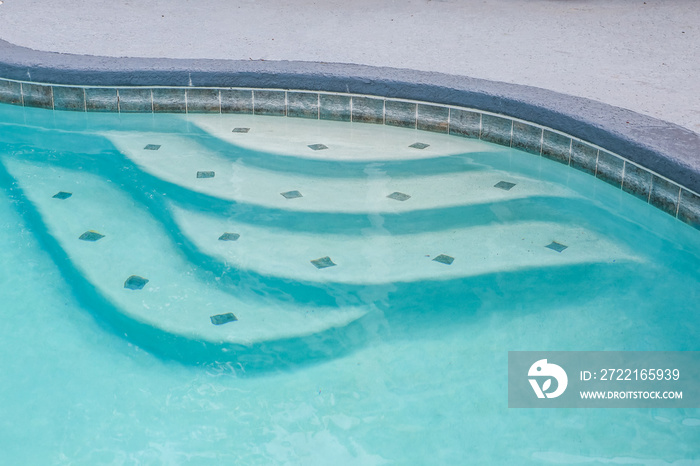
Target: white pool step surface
x=345 y=141
x=376 y=257
x=179 y=158
x=174 y=299
x=402 y=225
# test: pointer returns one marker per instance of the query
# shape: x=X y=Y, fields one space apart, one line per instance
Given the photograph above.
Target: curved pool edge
x=663 y=148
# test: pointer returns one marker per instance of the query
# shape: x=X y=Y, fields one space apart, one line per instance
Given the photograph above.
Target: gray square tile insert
x=399 y=196
x=554 y=246
x=91 y=235
x=229 y=237
x=318 y=146
x=221 y=319
x=152 y=147
x=419 y=145
x=505 y=185
x=62 y=195
x=444 y=259
x=323 y=262
x=291 y=194
x=135 y=282
x=205 y=174
x=240 y=130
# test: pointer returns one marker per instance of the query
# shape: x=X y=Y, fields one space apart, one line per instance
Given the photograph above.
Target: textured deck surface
x=639 y=55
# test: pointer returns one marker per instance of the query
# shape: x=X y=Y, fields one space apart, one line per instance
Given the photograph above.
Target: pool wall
x=653 y=160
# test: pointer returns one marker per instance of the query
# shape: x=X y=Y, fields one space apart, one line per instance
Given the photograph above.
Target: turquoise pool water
x=388 y=357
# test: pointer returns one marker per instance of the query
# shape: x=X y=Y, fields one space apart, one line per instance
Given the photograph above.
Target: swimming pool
x=387 y=356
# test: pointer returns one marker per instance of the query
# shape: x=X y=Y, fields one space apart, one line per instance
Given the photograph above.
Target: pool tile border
x=645 y=184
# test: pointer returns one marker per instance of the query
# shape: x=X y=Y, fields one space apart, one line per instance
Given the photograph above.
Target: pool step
x=374 y=257
x=476 y=177
x=175 y=298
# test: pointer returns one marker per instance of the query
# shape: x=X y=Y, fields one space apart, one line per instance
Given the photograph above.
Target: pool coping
x=659 y=147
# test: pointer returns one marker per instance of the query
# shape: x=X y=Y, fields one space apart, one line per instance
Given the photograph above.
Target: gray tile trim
x=203 y=101
x=236 y=100
x=465 y=123
x=556 y=147
x=636 y=181
x=302 y=105
x=399 y=113
x=335 y=107
x=664 y=195
x=497 y=129
x=270 y=103
x=584 y=157
x=689 y=208
x=367 y=110
x=37 y=95
x=69 y=98
x=169 y=100
x=610 y=168
x=135 y=100
x=10 y=92
x=527 y=138
x=433 y=118
x=100 y=99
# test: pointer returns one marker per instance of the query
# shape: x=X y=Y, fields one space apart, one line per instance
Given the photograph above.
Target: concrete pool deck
x=639 y=55
x=500 y=56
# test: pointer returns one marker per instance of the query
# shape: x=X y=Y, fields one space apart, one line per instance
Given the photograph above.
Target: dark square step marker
x=291 y=194
x=152 y=147
x=318 y=146
x=205 y=174
x=505 y=185
x=556 y=246
x=221 y=319
x=240 y=130
x=91 y=235
x=229 y=237
x=399 y=196
x=135 y=282
x=419 y=145
x=444 y=259
x=323 y=262
x=62 y=195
